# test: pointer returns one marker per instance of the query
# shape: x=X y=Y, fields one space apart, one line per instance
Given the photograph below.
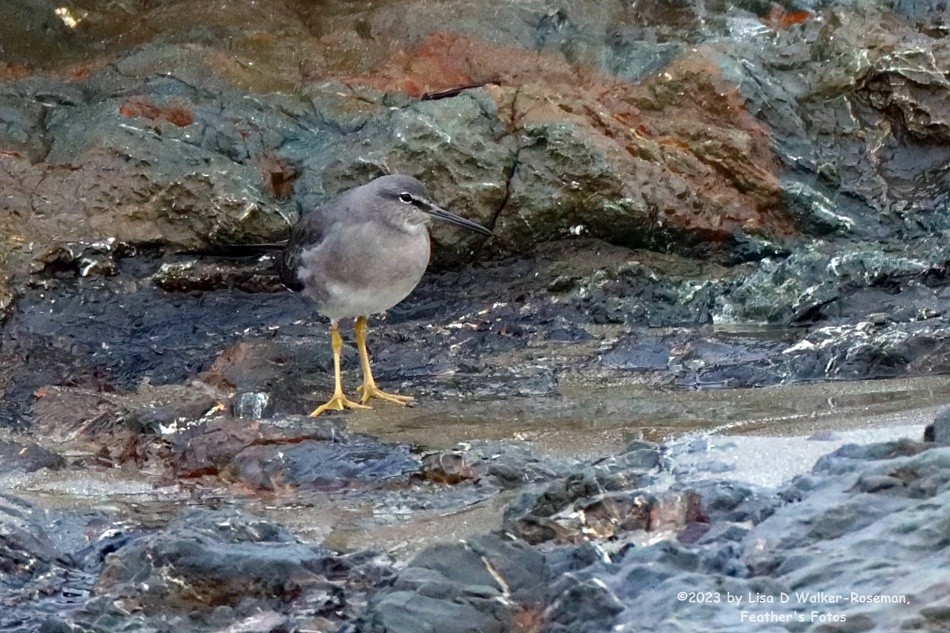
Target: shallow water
x=593 y=417
x=754 y=435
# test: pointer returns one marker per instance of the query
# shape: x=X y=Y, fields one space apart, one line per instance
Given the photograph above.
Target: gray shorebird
x=361 y=254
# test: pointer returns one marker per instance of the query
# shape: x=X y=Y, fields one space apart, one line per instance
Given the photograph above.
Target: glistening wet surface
x=588 y=419
x=593 y=417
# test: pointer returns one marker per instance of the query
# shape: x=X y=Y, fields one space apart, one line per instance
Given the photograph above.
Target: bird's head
x=404 y=202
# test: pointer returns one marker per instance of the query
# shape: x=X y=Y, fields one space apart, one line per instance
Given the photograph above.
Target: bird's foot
x=338 y=402
x=370 y=391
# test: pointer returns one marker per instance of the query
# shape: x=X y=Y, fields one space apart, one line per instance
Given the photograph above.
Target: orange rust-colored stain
x=528 y=619
x=13 y=70
x=780 y=18
x=687 y=125
x=140 y=107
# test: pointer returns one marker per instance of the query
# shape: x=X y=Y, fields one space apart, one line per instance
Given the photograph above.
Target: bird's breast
x=364 y=269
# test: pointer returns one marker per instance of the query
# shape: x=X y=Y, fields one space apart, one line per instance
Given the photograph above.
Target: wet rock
x=208 y=446
x=286 y=452
x=491 y=465
x=49 y=560
x=694 y=359
x=870 y=352
x=73 y=415
x=360 y=460
x=941 y=427
x=598 y=502
x=485 y=584
x=252 y=405
x=810 y=87
x=27 y=457
x=82 y=258
x=288 y=369
x=808 y=284
x=446 y=468
x=815 y=213
x=209 y=559
x=799 y=546
x=203 y=276
x=25 y=547
x=909 y=88
x=111 y=333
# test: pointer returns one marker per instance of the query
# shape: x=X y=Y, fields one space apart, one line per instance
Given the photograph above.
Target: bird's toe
x=338 y=402
x=370 y=391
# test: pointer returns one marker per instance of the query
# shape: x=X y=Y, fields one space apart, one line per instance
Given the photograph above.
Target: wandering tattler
x=362 y=254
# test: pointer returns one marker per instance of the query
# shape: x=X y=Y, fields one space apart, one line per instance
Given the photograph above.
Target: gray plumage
x=365 y=251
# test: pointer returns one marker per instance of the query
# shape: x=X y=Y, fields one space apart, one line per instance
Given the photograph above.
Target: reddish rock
x=277 y=175
x=781 y=18
x=176 y=114
x=680 y=144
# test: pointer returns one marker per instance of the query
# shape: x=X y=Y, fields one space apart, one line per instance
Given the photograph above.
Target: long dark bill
x=447 y=216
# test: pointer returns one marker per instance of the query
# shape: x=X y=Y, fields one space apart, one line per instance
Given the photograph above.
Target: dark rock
x=296 y=451
x=447 y=468
x=941 y=427
x=25 y=547
x=851 y=456
x=357 y=460
x=695 y=359
x=71 y=415
x=203 y=276
x=487 y=583
x=821 y=141
x=863 y=350
x=908 y=87
x=801 y=287
x=734 y=502
x=815 y=213
x=27 y=457
x=208 y=559
x=82 y=258
x=49 y=560
x=208 y=446
x=405 y=610
x=252 y=405
x=602 y=501
x=588 y=604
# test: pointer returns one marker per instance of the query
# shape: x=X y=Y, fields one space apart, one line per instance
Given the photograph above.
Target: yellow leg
x=369 y=388
x=339 y=401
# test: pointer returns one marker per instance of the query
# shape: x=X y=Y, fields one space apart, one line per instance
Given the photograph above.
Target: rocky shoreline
x=709 y=218
x=638 y=540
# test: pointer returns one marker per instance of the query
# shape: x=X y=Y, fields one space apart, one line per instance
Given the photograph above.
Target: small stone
x=253 y=405
x=448 y=467
x=941 y=427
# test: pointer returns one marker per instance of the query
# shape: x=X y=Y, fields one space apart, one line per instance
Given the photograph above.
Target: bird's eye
x=405 y=197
